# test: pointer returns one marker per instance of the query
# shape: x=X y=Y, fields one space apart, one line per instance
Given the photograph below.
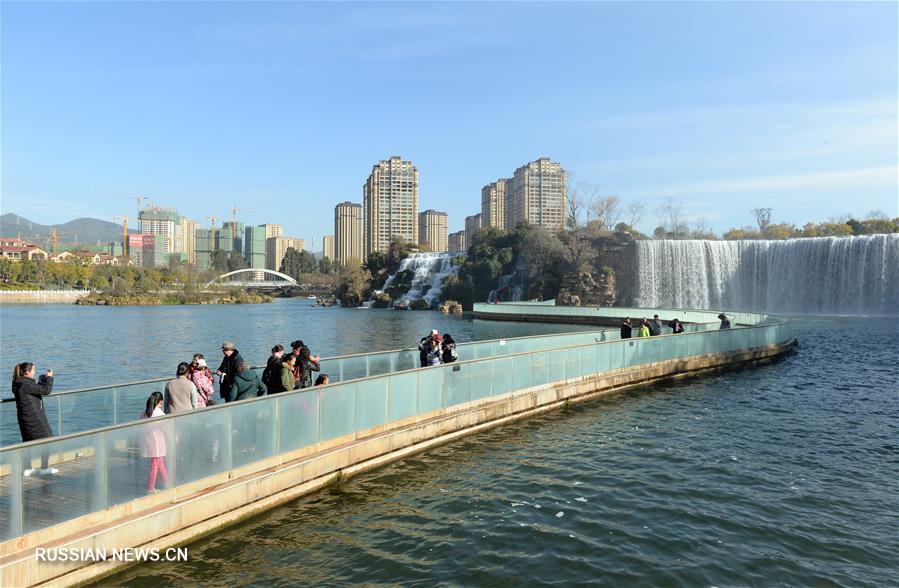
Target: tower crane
x=124 y=221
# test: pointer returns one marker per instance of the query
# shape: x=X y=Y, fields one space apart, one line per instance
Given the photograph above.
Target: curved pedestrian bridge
x=230 y=461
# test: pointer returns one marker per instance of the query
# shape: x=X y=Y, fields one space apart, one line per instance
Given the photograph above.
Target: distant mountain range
x=85 y=231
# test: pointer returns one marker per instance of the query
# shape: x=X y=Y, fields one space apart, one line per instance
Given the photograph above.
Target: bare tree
x=607 y=210
x=876 y=215
x=701 y=229
x=575 y=205
x=635 y=212
x=671 y=219
x=763 y=218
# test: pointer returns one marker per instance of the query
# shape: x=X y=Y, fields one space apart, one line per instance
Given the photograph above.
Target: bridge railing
x=103 y=468
x=85 y=409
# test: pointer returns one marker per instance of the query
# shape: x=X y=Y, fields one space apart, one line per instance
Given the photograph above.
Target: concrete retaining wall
x=182 y=514
x=41 y=296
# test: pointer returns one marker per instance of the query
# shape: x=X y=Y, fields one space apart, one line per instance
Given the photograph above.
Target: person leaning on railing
x=32 y=417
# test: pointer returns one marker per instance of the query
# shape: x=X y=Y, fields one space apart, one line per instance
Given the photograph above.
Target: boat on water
x=311 y=297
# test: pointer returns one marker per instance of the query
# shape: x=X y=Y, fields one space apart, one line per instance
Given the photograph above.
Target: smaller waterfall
x=428 y=272
x=511 y=286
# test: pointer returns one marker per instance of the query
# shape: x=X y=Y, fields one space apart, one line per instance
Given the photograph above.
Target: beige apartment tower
x=457 y=241
x=493 y=204
x=472 y=224
x=348 y=235
x=186 y=239
x=433 y=230
x=537 y=194
x=276 y=247
x=273 y=230
x=328 y=247
x=391 y=204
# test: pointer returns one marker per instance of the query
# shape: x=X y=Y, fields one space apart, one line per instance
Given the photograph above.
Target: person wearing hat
x=725 y=322
x=228 y=370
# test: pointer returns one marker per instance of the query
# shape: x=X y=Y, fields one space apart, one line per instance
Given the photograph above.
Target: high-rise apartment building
x=255 y=248
x=493 y=204
x=472 y=224
x=206 y=245
x=273 y=230
x=186 y=239
x=433 y=230
x=276 y=247
x=348 y=234
x=457 y=241
x=328 y=247
x=155 y=220
x=537 y=194
x=391 y=204
x=231 y=237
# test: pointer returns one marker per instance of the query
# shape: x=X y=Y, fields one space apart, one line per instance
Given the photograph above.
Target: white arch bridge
x=253 y=278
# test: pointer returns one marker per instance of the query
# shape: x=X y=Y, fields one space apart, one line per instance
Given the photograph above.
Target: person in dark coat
x=284 y=381
x=655 y=326
x=627 y=329
x=273 y=366
x=246 y=382
x=307 y=364
x=448 y=354
x=33 y=423
x=228 y=370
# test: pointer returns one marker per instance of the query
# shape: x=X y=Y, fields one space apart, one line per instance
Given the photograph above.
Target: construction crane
x=124 y=221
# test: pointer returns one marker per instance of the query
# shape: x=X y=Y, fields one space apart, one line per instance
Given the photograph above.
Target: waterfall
x=827 y=275
x=429 y=270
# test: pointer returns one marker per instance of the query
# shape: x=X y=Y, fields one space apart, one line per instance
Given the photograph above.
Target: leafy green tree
x=236 y=261
x=120 y=286
x=326 y=266
x=218 y=261
x=298 y=262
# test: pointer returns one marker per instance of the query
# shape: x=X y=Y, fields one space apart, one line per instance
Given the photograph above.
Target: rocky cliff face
x=609 y=279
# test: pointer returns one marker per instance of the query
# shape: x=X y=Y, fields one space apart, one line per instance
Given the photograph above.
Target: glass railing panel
x=130 y=455
x=540 y=368
x=79 y=487
x=481 y=378
x=371 y=403
x=338 y=410
x=430 y=390
x=604 y=355
x=407 y=360
x=202 y=444
x=588 y=359
x=521 y=372
x=11 y=481
x=573 y=359
x=556 y=365
x=616 y=354
x=298 y=419
x=457 y=384
x=382 y=363
x=82 y=412
x=9 y=424
x=501 y=382
x=402 y=396
x=353 y=368
x=131 y=400
x=253 y=432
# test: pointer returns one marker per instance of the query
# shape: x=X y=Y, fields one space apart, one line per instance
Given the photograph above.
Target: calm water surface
x=96 y=345
x=783 y=475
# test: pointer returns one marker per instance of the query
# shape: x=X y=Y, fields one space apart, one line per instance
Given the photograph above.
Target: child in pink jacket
x=152 y=443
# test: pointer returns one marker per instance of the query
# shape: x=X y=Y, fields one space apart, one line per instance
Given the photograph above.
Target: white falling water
x=429 y=270
x=510 y=286
x=828 y=275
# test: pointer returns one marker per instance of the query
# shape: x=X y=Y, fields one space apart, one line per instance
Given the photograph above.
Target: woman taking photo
x=33 y=423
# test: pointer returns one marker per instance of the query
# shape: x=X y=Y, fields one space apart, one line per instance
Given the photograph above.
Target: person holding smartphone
x=33 y=423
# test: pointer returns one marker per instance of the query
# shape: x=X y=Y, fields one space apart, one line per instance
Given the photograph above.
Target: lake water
x=778 y=475
x=96 y=345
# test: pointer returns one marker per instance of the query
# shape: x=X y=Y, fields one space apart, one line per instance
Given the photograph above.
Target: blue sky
x=282 y=108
